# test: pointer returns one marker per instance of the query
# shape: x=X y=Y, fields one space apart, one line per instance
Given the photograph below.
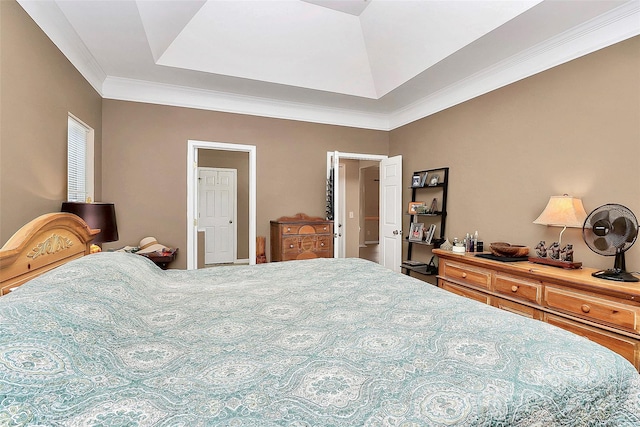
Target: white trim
x=192 y=184
x=333 y=159
x=123 y=89
x=54 y=23
x=340 y=190
x=605 y=30
x=610 y=28
x=90 y=160
x=360 y=156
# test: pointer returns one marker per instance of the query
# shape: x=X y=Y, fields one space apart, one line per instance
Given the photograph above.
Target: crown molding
x=608 y=29
x=180 y=96
x=48 y=16
x=613 y=27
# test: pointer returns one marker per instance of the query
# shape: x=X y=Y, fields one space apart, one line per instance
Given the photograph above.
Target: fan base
x=616 y=275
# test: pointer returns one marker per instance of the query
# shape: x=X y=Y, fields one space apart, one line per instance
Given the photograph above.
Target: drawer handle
x=585 y=308
x=325 y=228
x=291 y=246
x=288 y=228
x=514 y=288
x=464 y=275
x=321 y=244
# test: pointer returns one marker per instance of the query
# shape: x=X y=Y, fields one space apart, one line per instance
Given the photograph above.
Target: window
x=79 y=161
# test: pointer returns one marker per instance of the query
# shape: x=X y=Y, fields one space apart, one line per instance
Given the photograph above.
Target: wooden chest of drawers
x=603 y=311
x=301 y=237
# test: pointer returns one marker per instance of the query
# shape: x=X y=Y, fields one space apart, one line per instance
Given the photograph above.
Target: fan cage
x=610 y=230
x=612 y=243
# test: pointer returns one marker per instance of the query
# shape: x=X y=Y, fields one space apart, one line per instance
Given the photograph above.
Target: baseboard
x=372 y=242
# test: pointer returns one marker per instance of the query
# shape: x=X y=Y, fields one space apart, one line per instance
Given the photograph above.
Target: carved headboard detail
x=44 y=243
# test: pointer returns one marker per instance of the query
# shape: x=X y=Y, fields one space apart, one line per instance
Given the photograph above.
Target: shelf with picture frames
x=427 y=211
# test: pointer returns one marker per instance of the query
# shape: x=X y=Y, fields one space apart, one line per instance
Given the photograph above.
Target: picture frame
x=434 y=206
x=434 y=180
x=413 y=207
x=428 y=235
x=423 y=180
x=415 y=182
x=416 y=232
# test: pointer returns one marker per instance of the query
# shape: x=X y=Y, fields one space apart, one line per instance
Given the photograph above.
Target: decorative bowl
x=508 y=250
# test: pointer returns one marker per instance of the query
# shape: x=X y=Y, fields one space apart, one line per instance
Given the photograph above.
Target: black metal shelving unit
x=426 y=190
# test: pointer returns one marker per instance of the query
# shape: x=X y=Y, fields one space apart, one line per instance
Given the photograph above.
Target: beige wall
x=351 y=226
x=371 y=203
x=39 y=87
x=145 y=159
x=573 y=129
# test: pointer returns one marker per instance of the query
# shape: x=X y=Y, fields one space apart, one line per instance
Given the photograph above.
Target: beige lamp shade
x=563 y=211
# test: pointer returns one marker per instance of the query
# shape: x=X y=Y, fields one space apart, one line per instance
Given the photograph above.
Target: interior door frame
x=333 y=161
x=192 y=200
x=234 y=243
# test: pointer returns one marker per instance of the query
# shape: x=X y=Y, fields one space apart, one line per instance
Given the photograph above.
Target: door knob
x=230 y=222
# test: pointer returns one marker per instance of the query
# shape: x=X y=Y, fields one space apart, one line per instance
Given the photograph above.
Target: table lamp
x=561 y=211
x=96 y=215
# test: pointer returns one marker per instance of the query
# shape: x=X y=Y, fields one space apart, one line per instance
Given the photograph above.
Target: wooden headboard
x=44 y=243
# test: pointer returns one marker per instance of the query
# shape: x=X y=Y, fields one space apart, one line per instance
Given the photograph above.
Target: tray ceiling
x=375 y=64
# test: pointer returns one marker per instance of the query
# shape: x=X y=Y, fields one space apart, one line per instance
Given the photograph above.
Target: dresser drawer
x=470 y=274
x=462 y=291
x=594 y=308
x=323 y=229
x=290 y=244
x=292 y=228
x=306 y=229
x=324 y=243
x=527 y=290
x=628 y=348
x=516 y=308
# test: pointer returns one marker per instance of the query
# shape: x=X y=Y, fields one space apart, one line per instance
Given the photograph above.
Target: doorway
x=353 y=219
x=193 y=147
x=389 y=217
x=369 y=211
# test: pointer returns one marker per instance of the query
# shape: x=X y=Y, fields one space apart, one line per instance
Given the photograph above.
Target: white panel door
x=216 y=214
x=338 y=235
x=391 y=212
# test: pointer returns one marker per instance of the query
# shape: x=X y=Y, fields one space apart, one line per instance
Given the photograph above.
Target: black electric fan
x=611 y=230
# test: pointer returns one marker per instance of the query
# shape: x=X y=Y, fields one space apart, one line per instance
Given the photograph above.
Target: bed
x=110 y=339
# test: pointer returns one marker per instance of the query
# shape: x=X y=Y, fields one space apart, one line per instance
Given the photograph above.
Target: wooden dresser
x=301 y=237
x=603 y=311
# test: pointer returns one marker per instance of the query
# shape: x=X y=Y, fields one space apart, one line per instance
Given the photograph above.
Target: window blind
x=77 y=139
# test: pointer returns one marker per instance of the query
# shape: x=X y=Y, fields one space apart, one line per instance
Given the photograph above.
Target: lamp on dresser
x=561 y=211
x=97 y=216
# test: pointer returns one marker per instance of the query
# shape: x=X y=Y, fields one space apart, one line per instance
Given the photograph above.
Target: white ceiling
x=375 y=64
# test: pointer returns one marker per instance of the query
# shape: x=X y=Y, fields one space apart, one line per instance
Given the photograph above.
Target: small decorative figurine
x=541 y=250
x=555 y=251
x=566 y=254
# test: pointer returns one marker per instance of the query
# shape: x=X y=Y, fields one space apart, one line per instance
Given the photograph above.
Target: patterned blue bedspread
x=111 y=340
